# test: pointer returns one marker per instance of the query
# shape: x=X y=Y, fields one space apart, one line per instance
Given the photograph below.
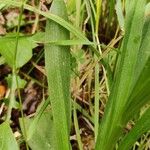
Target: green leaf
x=71 y=6
x=40 y=38
x=24 y=51
x=7 y=139
x=140 y=94
x=111 y=125
x=36 y=119
x=142 y=126
x=2 y=6
x=147 y=10
x=119 y=13
x=56 y=18
x=57 y=63
x=42 y=135
x=21 y=82
x=2 y=60
x=144 y=52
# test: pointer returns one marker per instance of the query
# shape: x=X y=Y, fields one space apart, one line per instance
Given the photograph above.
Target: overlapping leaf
x=112 y=122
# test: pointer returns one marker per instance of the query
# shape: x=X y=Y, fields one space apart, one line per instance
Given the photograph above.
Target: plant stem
x=77 y=128
x=15 y=80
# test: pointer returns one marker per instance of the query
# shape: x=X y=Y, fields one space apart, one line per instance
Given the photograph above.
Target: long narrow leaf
x=57 y=59
x=111 y=126
x=144 y=52
x=140 y=94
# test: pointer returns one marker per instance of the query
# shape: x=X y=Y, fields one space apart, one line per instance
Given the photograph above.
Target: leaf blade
x=57 y=59
x=7 y=139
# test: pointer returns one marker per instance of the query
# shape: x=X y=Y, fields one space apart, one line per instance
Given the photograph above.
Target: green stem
x=15 y=80
x=77 y=128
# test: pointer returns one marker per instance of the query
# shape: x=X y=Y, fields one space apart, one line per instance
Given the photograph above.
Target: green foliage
x=57 y=63
x=24 y=51
x=116 y=115
x=21 y=82
x=119 y=13
x=50 y=128
x=42 y=126
x=140 y=92
x=2 y=60
x=56 y=19
x=2 y=6
x=35 y=121
x=7 y=139
x=43 y=135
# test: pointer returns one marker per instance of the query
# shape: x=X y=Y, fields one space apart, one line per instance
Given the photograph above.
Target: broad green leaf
x=7 y=139
x=111 y=6
x=142 y=126
x=36 y=120
x=111 y=125
x=24 y=51
x=42 y=135
x=57 y=63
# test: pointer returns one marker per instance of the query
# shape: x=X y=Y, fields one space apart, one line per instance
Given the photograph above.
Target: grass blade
x=57 y=59
x=144 y=52
x=77 y=128
x=119 y=13
x=112 y=121
x=140 y=93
